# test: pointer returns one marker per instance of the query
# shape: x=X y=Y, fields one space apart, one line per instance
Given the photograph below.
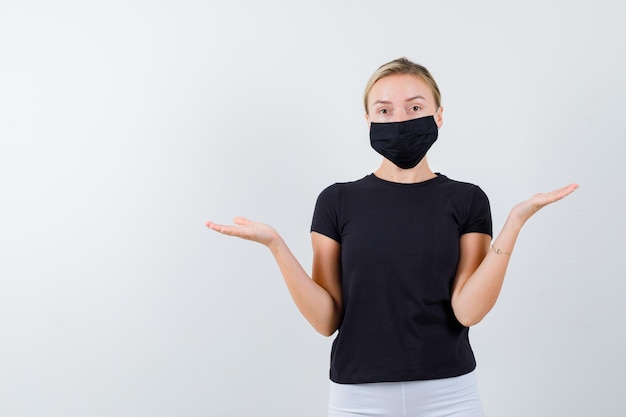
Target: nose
x=400 y=117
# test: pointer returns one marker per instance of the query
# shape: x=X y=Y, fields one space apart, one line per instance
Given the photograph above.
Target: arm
x=318 y=299
x=481 y=270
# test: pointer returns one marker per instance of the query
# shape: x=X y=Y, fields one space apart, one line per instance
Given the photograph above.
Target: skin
x=480 y=273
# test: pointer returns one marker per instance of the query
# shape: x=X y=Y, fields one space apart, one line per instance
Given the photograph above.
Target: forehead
x=399 y=87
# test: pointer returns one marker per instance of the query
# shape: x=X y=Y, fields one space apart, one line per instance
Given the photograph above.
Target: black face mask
x=404 y=143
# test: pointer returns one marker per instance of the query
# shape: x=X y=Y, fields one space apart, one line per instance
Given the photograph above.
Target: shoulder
x=339 y=187
x=461 y=187
x=455 y=183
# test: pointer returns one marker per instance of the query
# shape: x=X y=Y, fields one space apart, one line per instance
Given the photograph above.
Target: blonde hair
x=402 y=66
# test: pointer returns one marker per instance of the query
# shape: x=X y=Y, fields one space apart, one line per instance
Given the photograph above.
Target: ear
x=439 y=117
x=367 y=119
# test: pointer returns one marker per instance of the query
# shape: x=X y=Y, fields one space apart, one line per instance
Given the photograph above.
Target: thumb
x=242 y=221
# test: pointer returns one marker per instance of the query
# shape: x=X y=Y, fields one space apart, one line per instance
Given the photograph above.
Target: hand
x=246 y=229
x=524 y=210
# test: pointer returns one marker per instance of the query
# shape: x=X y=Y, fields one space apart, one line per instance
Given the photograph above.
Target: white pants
x=457 y=396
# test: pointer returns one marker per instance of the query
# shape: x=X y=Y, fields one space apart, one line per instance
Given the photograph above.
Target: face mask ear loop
x=438 y=115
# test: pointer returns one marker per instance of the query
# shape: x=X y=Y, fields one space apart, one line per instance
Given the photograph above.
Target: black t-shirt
x=399 y=255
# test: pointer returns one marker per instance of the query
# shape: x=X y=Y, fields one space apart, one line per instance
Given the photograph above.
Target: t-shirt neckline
x=433 y=180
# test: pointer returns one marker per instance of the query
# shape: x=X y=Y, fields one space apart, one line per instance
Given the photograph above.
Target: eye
x=416 y=108
x=383 y=111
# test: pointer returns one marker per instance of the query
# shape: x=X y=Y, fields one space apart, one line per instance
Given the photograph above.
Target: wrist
x=515 y=221
x=275 y=243
x=499 y=251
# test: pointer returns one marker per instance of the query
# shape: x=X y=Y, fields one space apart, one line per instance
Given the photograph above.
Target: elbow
x=469 y=313
x=468 y=320
x=325 y=330
x=327 y=324
x=467 y=316
x=326 y=327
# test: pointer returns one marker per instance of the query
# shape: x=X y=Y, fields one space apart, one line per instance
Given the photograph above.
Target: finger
x=215 y=226
x=564 y=191
x=568 y=189
x=224 y=229
x=543 y=199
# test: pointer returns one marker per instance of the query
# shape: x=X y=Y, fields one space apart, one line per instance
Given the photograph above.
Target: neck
x=390 y=172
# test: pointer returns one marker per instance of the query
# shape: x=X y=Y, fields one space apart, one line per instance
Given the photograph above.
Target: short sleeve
x=325 y=215
x=478 y=218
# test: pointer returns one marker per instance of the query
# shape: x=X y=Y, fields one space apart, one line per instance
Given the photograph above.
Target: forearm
x=313 y=301
x=478 y=295
x=474 y=296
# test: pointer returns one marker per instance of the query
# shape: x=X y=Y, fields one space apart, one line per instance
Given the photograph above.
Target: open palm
x=524 y=210
x=247 y=229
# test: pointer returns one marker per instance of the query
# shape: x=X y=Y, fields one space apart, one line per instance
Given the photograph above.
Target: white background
x=125 y=125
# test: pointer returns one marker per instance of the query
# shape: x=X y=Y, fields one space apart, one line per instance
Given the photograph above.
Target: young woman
x=403 y=263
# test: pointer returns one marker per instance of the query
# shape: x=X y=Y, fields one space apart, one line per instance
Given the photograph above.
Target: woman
x=403 y=263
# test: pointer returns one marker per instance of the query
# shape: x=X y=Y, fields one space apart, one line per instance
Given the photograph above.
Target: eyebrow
x=381 y=102
x=407 y=100
x=416 y=98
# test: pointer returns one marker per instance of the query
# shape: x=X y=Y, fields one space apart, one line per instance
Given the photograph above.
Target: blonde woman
x=403 y=263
